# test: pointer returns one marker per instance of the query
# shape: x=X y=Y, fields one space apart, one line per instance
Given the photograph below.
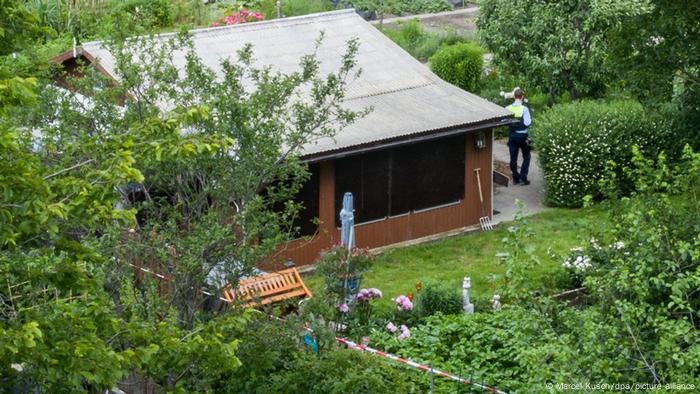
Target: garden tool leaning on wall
x=484 y=220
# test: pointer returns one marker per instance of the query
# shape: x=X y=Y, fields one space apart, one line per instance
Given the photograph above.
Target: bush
x=274 y=361
x=305 y=7
x=460 y=65
x=576 y=141
x=192 y=12
x=438 y=298
x=421 y=6
x=399 y=7
x=340 y=371
x=335 y=267
x=421 y=44
x=149 y=13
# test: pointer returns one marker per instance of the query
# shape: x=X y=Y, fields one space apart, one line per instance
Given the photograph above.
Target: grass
x=555 y=231
x=421 y=44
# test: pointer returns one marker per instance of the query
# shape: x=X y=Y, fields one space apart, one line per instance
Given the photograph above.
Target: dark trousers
x=516 y=142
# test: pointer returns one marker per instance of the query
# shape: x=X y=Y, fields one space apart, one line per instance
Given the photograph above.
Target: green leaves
x=460 y=65
x=559 y=47
x=191 y=152
x=583 y=142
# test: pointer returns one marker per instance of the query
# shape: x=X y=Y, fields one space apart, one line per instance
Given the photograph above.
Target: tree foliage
x=657 y=54
x=558 y=46
x=657 y=48
x=211 y=157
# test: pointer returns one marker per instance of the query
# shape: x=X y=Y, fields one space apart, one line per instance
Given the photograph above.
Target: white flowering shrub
x=577 y=264
x=577 y=140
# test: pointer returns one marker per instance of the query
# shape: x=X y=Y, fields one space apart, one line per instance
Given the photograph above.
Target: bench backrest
x=267 y=289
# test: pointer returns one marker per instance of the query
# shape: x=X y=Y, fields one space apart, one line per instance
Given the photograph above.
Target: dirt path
x=462 y=20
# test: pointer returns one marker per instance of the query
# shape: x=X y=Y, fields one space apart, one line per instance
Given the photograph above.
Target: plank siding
x=401 y=228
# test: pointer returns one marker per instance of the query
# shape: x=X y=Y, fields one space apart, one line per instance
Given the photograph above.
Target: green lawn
x=449 y=260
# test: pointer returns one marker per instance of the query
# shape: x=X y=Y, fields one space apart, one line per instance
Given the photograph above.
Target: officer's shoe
x=524 y=182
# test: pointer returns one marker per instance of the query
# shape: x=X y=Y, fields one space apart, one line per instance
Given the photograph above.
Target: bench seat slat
x=270 y=300
x=256 y=293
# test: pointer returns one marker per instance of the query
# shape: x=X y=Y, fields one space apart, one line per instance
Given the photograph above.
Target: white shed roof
x=407 y=98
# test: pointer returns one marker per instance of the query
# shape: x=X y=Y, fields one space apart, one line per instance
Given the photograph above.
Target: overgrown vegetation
x=401 y=7
x=92 y=188
x=642 y=269
x=558 y=46
x=434 y=298
x=421 y=44
x=577 y=141
x=460 y=65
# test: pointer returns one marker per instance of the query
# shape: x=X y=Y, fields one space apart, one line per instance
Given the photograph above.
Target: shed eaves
x=406 y=97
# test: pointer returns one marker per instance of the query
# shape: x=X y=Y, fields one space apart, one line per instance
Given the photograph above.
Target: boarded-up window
x=308 y=196
x=427 y=174
x=367 y=178
x=404 y=179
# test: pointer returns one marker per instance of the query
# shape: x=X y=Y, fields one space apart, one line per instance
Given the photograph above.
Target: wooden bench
x=267 y=289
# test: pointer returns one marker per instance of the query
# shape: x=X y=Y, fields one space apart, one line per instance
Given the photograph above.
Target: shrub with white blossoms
x=576 y=141
x=581 y=263
x=577 y=263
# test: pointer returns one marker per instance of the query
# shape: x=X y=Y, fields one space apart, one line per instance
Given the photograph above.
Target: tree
x=658 y=47
x=559 y=46
x=657 y=54
x=379 y=7
x=211 y=165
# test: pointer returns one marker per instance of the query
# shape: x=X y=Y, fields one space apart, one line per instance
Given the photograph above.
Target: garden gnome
x=466 y=285
x=496 y=302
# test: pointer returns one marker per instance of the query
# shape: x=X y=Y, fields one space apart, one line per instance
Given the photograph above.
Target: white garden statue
x=466 y=285
x=496 y=302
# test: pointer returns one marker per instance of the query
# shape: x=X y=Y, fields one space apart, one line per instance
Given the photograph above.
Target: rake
x=484 y=220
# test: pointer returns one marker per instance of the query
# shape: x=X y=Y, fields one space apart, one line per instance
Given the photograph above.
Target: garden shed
x=410 y=163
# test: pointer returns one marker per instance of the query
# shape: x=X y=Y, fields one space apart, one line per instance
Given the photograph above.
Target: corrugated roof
x=406 y=97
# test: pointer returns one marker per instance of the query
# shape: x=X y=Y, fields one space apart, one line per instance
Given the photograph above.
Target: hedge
x=459 y=64
x=576 y=141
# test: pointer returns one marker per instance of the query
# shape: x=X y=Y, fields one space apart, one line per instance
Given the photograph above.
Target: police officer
x=518 y=138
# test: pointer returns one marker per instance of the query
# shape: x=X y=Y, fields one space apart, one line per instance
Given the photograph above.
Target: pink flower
x=404 y=334
x=256 y=15
x=375 y=293
x=343 y=308
x=368 y=294
x=216 y=23
x=404 y=328
x=391 y=327
x=403 y=303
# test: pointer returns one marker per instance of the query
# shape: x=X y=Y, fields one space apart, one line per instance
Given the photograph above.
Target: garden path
x=504 y=197
x=461 y=19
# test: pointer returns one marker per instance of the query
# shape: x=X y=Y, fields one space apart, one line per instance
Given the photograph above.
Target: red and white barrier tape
x=413 y=364
x=356 y=346
x=167 y=279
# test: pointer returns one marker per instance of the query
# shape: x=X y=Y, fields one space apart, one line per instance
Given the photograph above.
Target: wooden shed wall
x=401 y=228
